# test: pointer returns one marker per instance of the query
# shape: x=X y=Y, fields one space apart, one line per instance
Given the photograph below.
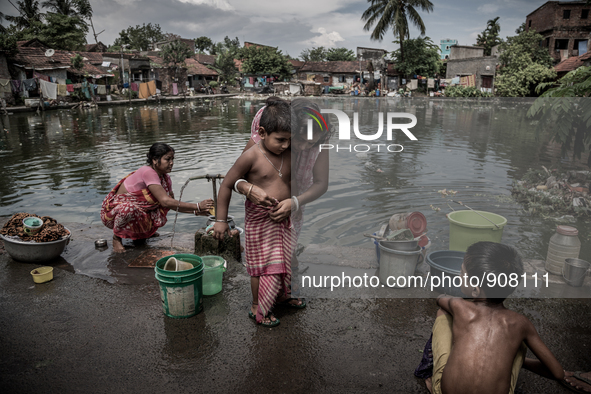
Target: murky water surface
x=63 y=163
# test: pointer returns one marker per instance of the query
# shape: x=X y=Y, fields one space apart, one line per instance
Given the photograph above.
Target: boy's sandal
x=296 y=306
x=270 y=324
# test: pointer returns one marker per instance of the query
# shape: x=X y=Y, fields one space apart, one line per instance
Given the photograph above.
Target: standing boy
x=269 y=236
x=479 y=345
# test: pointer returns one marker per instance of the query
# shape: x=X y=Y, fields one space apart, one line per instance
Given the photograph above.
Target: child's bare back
x=477 y=345
x=486 y=340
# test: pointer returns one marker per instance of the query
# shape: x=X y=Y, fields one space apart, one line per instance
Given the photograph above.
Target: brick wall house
x=565 y=26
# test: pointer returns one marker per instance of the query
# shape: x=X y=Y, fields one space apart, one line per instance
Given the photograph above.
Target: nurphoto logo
x=345 y=130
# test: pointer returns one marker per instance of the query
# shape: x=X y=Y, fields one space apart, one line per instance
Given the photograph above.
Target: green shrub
x=213 y=84
x=465 y=91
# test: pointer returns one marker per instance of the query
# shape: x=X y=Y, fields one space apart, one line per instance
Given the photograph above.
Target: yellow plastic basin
x=42 y=274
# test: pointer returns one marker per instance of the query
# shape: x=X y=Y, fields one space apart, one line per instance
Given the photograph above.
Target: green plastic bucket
x=181 y=291
x=468 y=227
x=213 y=273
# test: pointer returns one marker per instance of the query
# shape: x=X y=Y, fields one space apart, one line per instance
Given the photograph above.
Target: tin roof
x=34 y=58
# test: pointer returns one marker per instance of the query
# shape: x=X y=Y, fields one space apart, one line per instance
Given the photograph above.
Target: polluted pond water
x=65 y=162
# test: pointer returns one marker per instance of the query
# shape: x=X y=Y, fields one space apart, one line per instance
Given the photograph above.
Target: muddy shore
x=82 y=334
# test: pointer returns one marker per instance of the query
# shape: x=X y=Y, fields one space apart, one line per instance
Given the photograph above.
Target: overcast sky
x=296 y=25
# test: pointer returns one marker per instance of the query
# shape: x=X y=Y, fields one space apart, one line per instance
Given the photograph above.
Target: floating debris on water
x=545 y=192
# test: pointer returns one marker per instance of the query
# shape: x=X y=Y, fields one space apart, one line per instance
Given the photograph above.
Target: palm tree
x=395 y=14
x=28 y=12
x=73 y=8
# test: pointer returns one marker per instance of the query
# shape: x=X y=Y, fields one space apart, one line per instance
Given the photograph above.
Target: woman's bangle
x=249 y=190
x=198 y=208
x=236 y=185
x=222 y=220
x=295 y=202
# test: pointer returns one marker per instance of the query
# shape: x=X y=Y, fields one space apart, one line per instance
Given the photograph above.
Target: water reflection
x=63 y=163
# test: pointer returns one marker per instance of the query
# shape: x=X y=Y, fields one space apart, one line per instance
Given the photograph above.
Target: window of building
x=447 y=47
x=560 y=44
x=326 y=79
x=584 y=14
x=342 y=78
x=529 y=24
x=566 y=14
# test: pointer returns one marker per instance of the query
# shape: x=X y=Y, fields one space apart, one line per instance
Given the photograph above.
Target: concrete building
x=445 y=46
x=465 y=52
x=470 y=60
x=565 y=26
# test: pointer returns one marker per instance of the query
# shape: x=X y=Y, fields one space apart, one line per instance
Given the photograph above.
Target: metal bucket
x=574 y=271
x=396 y=263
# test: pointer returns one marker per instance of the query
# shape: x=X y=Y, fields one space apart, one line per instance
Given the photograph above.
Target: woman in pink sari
x=138 y=204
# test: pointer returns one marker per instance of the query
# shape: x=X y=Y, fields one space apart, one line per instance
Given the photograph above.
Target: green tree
x=425 y=59
x=340 y=54
x=63 y=32
x=313 y=55
x=29 y=11
x=395 y=15
x=265 y=60
x=72 y=8
x=565 y=111
x=77 y=62
x=233 y=46
x=203 y=44
x=175 y=53
x=524 y=64
x=140 y=37
x=490 y=36
x=225 y=67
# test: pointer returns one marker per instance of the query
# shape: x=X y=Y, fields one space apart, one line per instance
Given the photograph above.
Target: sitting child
x=479 y=345
x=269 y=234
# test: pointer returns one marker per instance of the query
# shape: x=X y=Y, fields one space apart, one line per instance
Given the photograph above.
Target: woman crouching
x=138 y=204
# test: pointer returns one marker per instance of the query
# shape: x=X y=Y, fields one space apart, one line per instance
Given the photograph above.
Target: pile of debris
x=554 y=192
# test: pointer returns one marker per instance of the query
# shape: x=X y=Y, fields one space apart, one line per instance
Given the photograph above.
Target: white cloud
x=220 y=4
x=488 y=8
x=325 y=39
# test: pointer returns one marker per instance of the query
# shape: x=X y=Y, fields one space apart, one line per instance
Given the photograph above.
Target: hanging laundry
x=85 y=89
x=175 y=90
x=455 y=81
x=152 y=88
x=29 y=84
x=126 y=85
x=414 y=84
x=62 y=90
x=134 y=87
x=70 y=87
x=471 y=80
x=251 y=80
x=41 y=76
x=101 y=89
x=48 y=89
x=430 y=83
x=77 y=85
x=61 y=81
x=144 y=91
x=5 y=86
x=68 y=81
x=16 y=85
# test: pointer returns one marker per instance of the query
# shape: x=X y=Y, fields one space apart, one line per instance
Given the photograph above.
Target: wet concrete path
x=83 y=334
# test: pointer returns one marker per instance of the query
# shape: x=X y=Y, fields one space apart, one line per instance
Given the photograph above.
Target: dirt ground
x=78 y=334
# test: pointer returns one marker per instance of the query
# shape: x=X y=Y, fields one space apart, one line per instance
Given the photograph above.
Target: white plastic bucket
x=395 y=263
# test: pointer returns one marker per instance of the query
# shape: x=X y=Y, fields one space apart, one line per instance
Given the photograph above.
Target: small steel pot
x=231 y=223
x=100 y=243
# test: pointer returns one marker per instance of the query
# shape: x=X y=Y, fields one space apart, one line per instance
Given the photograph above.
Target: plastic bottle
x=564 y=244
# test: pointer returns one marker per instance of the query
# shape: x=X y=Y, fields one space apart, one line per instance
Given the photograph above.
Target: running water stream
x=177 y=212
